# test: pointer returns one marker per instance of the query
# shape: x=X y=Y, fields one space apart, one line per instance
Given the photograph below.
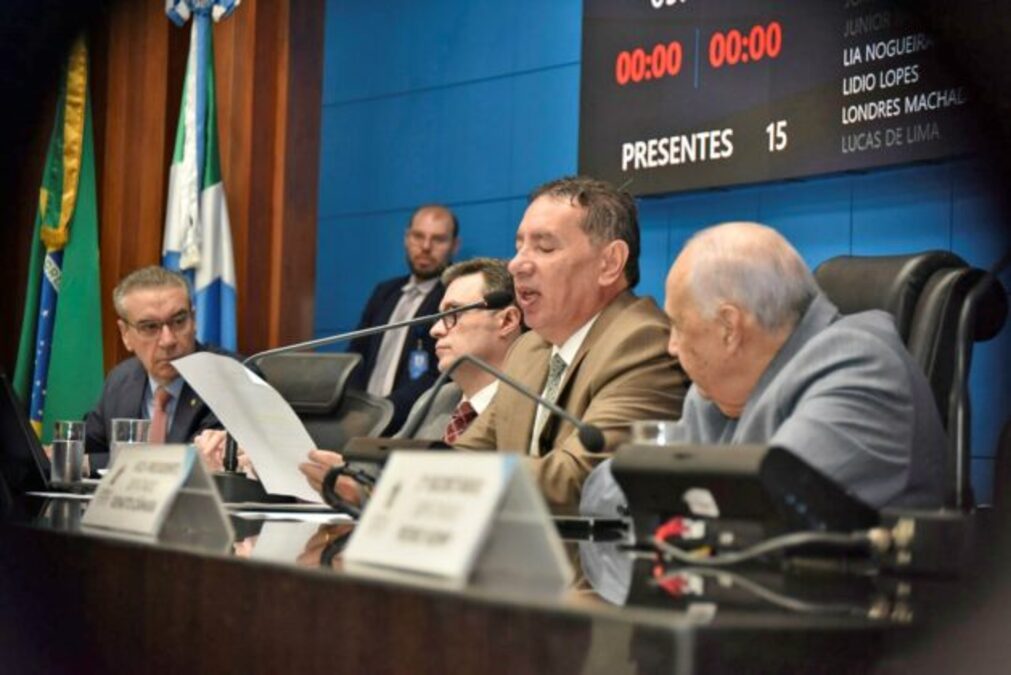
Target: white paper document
x=258 y=417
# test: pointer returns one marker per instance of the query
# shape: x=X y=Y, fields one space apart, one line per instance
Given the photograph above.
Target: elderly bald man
x=773 y=361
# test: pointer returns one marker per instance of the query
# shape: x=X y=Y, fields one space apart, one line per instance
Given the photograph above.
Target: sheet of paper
x=283 y=542
x=259 y=419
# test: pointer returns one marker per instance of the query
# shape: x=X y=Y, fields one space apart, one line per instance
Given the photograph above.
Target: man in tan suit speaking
x=594 y=347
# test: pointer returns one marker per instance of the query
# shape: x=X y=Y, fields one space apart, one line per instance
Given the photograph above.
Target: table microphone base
x=237 y=487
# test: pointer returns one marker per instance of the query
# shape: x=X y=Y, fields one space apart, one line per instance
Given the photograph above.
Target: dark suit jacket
x=377 y=312
x=122 y=395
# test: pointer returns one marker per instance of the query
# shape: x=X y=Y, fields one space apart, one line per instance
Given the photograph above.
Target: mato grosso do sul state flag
x=198 y=239
x=59 y=369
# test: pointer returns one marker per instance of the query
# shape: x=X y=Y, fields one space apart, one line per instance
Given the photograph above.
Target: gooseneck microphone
x=493 y=300
x=589 y=435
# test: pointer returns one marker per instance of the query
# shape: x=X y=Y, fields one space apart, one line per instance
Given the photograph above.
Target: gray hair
x=152 y=276
x=753 y=266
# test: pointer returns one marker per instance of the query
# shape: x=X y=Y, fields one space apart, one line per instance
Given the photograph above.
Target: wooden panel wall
x=268 y=63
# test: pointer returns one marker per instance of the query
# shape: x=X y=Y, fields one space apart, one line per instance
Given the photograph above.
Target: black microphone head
x=591 y=437
x=498 y=299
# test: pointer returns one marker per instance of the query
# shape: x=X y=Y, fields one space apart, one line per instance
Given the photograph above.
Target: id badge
x=417 y=362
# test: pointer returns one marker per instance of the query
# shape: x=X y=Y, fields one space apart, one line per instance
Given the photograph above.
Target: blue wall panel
x=488 y=140
x=655 y=248
x=813 y=215
x=902 y=210
x=375 y=49
x=475 y=102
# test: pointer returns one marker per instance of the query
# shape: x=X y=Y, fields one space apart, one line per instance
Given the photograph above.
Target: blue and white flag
x=198 y=238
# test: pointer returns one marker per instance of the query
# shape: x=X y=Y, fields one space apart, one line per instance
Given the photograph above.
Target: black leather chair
x=315 y=385
x=929 y=296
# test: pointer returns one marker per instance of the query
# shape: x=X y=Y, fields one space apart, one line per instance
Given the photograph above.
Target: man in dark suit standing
x=156 y=322
x=401 y=364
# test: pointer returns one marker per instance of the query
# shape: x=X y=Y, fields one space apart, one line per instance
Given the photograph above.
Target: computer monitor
x=23 y=464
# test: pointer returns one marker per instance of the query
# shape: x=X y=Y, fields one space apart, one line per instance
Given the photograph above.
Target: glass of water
x=126 y=432
x=654 y=432
x=68 y=452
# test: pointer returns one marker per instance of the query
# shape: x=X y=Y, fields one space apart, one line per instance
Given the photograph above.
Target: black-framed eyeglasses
x=451 y=320
x=151 y=329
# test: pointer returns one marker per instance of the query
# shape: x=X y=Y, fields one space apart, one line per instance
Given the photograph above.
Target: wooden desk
x=78 y=603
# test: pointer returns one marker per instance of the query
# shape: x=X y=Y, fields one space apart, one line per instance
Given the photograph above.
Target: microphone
x=493 y=300
x=589 y=435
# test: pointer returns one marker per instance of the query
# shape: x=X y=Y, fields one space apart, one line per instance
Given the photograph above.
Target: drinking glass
x=68 y=452
x=653 y=432
x=126 y=432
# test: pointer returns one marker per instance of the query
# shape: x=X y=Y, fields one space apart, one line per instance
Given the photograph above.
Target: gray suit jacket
x=845 y=396
x=434 y=424
x=121 y=397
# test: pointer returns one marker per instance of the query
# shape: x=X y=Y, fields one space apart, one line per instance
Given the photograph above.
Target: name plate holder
x=460 y=520
x=160 y=494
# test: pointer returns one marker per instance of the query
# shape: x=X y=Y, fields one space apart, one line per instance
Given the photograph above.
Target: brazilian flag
x=59 y=367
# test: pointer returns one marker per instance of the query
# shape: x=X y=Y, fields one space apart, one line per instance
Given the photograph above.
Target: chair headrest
x=892 y=283
x=309 y=382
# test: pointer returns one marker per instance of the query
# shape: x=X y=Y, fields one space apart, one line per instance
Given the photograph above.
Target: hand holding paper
x=257 y=416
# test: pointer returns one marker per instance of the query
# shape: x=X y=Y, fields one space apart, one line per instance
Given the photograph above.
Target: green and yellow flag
x=59 y=367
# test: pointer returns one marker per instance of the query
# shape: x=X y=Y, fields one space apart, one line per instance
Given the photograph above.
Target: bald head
x=431 y=240
x=734 y=296
x=750 y=265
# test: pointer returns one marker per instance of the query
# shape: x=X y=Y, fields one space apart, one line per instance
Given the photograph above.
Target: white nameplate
x=160 y=493
x=461 y=517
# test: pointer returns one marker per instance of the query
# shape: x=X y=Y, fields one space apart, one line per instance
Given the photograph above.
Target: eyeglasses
x=451 y=320
x=419 y=238
x=152 y=329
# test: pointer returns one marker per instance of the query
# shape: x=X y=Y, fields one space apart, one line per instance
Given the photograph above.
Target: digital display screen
x=690 y=94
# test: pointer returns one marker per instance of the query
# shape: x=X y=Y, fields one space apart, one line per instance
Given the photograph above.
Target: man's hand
x=211 y=445
x=321 y=461
x=314 y=548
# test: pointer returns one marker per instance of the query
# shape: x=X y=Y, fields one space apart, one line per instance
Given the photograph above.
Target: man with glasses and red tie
x=157 y=324
x=487 y=334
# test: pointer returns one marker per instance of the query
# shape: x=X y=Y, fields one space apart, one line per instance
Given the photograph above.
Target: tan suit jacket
x=621 y=373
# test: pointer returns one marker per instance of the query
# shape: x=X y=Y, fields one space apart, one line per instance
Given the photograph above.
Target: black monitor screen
x=23 y=465
x=688 y=94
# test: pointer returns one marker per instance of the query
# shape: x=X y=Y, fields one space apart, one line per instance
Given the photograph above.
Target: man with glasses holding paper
x=157 y=324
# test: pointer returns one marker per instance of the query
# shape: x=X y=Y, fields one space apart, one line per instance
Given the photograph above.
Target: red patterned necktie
x=462 y=417
x=159 y=420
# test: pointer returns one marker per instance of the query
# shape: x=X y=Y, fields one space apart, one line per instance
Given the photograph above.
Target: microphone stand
x=589 y=435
